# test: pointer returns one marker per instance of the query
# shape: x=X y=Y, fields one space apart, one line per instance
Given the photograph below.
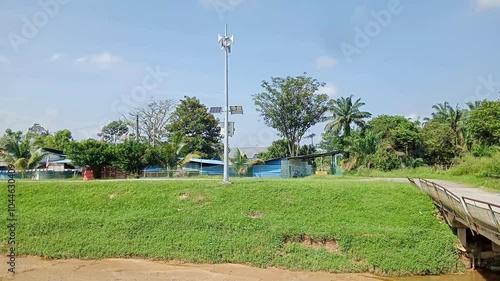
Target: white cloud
x=329 y=89
x=487 y=4
x=57 y=57
x=412 y=116
x=105 y=58
x=323 y=62
x=82 y=59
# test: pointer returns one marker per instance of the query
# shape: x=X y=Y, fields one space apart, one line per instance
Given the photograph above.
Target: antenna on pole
x=226 y=43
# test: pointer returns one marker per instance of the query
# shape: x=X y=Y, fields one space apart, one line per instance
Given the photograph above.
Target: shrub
x=477 y=166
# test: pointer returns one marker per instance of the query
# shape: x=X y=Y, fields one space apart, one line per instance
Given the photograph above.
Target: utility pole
x=137 y=126
x=226 y=43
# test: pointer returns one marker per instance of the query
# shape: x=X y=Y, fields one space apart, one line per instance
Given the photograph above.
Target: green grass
x=385 y=228
x=428 y=173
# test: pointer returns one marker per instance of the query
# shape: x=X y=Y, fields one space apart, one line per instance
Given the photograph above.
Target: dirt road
x=37 y=269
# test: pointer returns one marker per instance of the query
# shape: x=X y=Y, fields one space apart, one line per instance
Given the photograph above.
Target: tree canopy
x=91 y=154
x=114 y=132
x=345 y=112
x=200 y=130
x=291 y=106
x=484 y=122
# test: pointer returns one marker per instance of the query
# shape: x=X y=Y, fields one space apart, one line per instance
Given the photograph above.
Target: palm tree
x=240 y=164
x=361 y=147
x=24 y=152
x=474 y=105
x=171 y=151
x=455 y=117
x=441 y=111
x=311 y=136
x=345 y=113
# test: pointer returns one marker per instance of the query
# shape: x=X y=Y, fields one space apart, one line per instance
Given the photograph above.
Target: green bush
x=477 y=166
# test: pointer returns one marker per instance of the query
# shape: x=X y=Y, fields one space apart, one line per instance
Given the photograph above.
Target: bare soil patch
x=256 y=215
x=34 y=268
x=112 y=196
x=183 y=196
x=329 y=245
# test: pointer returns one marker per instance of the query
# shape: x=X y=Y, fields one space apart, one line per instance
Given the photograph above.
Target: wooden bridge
x=473 y=212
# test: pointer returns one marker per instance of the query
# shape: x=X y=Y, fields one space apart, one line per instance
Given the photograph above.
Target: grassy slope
x=427 y=173
x=386 y=228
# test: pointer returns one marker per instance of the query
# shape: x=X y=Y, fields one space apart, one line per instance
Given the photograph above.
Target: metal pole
x=137 y=126
x=226 y=116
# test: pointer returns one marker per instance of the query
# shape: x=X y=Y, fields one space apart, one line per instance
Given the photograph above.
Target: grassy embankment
x=386 y=228
x=475 y=171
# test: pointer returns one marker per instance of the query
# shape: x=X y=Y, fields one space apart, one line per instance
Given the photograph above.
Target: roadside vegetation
x=474 y=171
x=460 y=141
x=384 y=228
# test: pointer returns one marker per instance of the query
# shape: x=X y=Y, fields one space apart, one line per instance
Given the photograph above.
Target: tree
x=114 y=131
x=153 y=119
x=36 y=129
x=402 y=137
x=403 y=133
x=454 y=117
x=385 y=158
x=331 y=141
x=311 y=136
x=91 y=154
x=361 y=147
x=475 y=104
x=59 y=140
x=131 y=156
x=200 y=130
x=241 y=165
x=307 y=149
x=439 y=140
x=345 y=112
x=9 y=134
x=291 y=106
x=278 y=149
x=171 y=152
x=484 y=123
x=22 y=151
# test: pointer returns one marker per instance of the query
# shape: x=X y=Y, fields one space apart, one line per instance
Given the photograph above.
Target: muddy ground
x=37 y=269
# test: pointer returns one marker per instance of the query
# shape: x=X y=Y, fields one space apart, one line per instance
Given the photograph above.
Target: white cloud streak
x=330 y=89
x=324 y=62
x=105 y=58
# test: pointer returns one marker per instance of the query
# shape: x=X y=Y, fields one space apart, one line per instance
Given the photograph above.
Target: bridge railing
x=485 y=215
x=479 y=215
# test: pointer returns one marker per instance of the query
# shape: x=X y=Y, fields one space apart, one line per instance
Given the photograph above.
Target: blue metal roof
x=207 y=161
x=65 y=161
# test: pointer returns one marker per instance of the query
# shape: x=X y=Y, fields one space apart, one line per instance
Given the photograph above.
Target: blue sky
x=79 y=64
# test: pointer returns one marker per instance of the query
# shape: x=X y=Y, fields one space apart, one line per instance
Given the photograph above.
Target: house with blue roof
x=206 y=166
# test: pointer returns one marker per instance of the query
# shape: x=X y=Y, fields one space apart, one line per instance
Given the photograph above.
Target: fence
x=44 y=174
x=479 y=216
x=295 y=169
x=171 y=173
